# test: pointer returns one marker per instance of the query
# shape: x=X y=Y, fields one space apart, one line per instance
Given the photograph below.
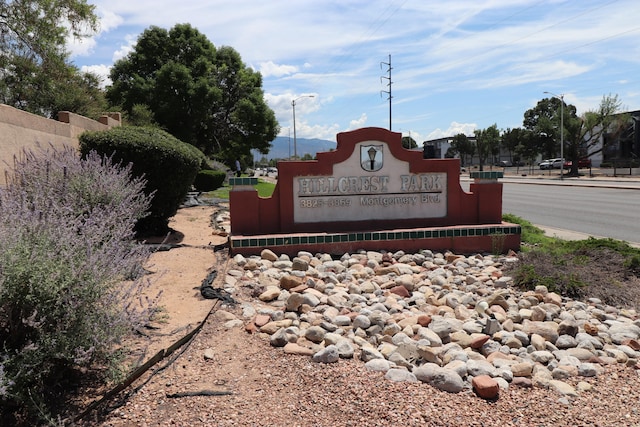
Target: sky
x=455 y=65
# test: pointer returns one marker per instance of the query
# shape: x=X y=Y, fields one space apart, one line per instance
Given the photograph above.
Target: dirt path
x=177 y=273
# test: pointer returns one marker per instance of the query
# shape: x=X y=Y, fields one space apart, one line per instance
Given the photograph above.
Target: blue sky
x=457 y=65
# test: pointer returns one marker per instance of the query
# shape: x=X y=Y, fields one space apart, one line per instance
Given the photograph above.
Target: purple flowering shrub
x=71 y=277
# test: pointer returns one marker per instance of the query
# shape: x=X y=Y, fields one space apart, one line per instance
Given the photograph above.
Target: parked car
x=583 y=163
x=504 y=163
x=551 y=163
x=545 y=164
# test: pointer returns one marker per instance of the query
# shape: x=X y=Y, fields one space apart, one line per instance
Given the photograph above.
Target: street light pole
x=295 y=143
x=561 y=98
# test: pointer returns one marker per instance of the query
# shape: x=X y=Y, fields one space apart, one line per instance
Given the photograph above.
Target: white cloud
x=107 y=21
x=125 y=49
x=270 y=69
x=281 y=105
x=80 y=47
x=102 y=71
x=358 y=123
x=454 y=129
x=305 y=130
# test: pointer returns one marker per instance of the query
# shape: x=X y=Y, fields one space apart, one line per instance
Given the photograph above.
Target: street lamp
x=561 y=98
x=293 y=104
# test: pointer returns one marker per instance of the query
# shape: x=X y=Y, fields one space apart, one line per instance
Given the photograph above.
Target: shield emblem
x=371 y=157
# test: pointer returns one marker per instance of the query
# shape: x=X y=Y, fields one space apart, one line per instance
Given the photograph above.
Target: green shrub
x=71 y=283
x=168 y=165
x=209 y=180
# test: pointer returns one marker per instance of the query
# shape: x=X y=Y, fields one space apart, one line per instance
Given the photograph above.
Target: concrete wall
x=20 y=130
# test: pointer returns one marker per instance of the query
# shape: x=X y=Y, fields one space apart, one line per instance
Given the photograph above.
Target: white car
x=551 y=163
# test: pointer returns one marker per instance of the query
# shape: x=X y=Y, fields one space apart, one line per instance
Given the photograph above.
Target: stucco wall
x=20 y=130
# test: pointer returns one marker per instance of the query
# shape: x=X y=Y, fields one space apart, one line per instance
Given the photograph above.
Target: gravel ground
x=270 y=388
x=244 y=381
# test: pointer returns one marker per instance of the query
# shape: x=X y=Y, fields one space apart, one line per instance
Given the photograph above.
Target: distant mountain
x=282 y=144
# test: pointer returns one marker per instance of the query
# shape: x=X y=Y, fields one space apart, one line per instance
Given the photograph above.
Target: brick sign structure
x=370 y=193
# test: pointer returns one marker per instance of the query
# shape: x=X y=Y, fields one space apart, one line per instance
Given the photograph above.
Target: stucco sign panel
x=370 y=185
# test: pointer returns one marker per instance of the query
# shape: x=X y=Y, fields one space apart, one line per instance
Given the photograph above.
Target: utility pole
x=388 y=78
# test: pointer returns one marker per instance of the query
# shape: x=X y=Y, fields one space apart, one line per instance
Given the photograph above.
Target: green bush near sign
x=209 y=180
x=167 y=164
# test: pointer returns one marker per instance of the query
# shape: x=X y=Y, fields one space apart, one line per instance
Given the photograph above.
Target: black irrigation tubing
x=159 y=356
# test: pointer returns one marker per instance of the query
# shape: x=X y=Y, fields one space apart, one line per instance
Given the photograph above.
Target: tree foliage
x=409 y=143
x=551 y=120
x=544 y=122
x=202 y=95
x=34 y=69
x=487 y=143
x=520 y=144
x=462 y=146
x=584 y=133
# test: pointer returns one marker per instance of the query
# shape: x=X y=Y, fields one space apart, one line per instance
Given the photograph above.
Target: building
x=622 y=149
x=613 y=149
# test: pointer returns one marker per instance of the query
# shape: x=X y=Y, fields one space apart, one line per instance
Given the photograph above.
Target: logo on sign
x=371 y=157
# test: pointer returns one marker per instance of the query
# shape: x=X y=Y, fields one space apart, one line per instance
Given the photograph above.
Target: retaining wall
x=20 y=130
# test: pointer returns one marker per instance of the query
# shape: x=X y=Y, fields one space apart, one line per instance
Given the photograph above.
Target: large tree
x=552 y=121
x=585 y=135
x=35 y=73
x=518 y=142
x=202 y=95
x=461 y=146
x=544 y=122
x=487 y=143
x=408 y=142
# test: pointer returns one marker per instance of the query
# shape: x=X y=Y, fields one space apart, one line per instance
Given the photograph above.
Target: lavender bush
x=71 y=277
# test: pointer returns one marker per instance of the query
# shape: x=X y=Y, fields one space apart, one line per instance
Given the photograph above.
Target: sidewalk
x=597 y=178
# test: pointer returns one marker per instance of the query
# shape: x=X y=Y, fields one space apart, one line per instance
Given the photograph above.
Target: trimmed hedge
x=209 y=180
x=167 y=164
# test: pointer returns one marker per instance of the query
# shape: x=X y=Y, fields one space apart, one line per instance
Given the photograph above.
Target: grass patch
x=264 y=188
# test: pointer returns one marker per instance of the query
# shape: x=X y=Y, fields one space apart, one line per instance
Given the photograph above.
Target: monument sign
x=370 y=192
x=383 y=188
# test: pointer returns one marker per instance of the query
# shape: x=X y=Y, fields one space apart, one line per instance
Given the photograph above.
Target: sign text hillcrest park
x=370 y=185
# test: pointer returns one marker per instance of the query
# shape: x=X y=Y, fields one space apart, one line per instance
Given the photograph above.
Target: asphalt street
x=600 y=179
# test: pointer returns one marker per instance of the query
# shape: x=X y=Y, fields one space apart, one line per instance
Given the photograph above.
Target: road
x=596 y=211
x=575 y=208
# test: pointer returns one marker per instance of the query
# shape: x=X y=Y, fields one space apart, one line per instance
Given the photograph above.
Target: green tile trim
x=487 y=175
x=316 y=240
x=243 y=181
